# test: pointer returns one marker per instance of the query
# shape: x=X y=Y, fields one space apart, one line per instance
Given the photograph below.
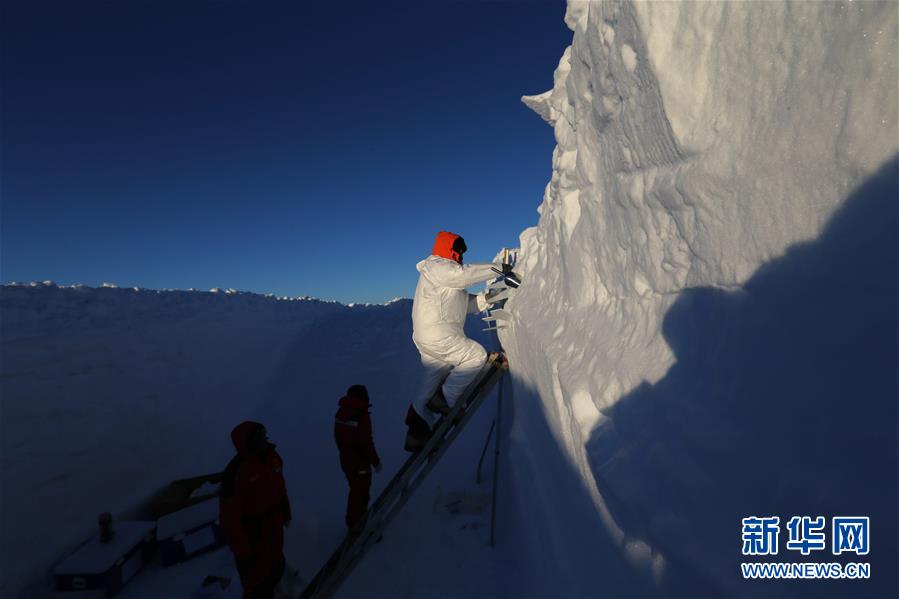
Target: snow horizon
x=215 y=290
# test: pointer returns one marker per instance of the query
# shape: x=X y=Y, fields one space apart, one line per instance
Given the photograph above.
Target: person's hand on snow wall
x=378 y=467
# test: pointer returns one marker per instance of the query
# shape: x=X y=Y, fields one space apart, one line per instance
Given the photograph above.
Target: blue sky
x=284 y=147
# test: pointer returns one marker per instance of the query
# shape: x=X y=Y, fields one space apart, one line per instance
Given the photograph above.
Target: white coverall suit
x=438 y=315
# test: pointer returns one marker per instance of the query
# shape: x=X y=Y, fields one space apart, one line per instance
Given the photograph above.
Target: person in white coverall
x=439 y=309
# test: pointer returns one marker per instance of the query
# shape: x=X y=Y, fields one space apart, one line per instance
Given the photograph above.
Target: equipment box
x=107 y=566
x=189 y=532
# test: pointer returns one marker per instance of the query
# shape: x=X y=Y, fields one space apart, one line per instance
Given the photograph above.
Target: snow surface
x=110 y=394
x=708 y=319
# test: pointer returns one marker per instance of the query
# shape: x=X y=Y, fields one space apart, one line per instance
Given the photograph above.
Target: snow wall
x=708 y=325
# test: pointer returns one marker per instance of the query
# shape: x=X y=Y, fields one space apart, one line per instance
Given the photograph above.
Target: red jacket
x=253 y=505
x=352 y=431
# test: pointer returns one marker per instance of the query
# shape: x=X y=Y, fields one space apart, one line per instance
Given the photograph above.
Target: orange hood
x=443 y=246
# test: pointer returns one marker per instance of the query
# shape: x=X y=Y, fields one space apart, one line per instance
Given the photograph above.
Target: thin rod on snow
x=498 y=421
x=477 y=478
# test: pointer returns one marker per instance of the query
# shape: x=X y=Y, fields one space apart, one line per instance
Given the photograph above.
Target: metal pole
x=499 y=405
x=477 y=478
x=498 y=420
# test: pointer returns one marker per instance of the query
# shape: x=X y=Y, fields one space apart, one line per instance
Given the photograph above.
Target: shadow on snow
x=782 y=402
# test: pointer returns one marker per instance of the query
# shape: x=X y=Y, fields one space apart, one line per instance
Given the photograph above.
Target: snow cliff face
x=716 y=248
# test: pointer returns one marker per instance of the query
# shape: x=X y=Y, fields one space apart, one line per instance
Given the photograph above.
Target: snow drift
x=708 y=322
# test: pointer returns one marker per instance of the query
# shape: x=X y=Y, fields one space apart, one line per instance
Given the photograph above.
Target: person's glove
x=378 y=467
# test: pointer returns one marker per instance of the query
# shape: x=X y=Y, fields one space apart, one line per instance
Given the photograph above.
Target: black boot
x=438 y=403
x=413 y=443
x=419 y=432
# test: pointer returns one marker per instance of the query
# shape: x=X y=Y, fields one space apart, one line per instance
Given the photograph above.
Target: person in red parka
x=254 y=509
x=352 y=431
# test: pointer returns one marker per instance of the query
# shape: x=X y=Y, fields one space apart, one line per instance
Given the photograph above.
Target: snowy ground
x=108 y=394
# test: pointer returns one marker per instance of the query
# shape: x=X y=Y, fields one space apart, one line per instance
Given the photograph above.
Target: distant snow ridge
x=35 y=284
x=230 y=292
x=696 y=144
x=227 y=293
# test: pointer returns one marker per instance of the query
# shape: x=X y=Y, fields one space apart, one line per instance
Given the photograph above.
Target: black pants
x=266 y=588
x=417 y=425
x=357 y=502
